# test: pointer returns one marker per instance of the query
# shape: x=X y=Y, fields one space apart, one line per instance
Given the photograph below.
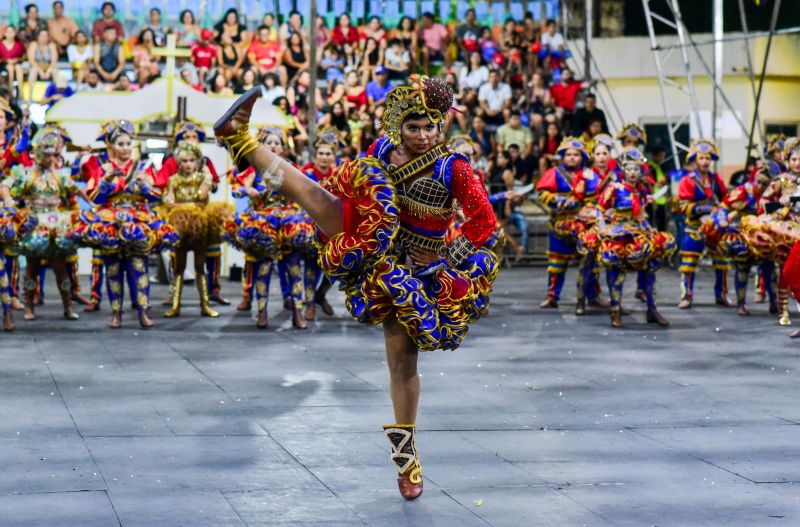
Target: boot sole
x=222 y=121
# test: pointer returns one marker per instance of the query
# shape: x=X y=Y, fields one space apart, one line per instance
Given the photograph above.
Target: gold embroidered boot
x=405 y=460
x=177 y=290
x=232 y=130
x=202 y=288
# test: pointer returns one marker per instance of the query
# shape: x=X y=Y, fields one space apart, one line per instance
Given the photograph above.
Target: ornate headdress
x=189 y=126
x=432 y=98
x=45 y=142
x=60 y=131
x=792 y=145
x=632 y=132
x=267 y=131
x=601 y=139
x=463 y=142
x=111 y=129
x=702 y=146
x=631 y=155
x=575 y=144
x=328 y=136
x=185 y=147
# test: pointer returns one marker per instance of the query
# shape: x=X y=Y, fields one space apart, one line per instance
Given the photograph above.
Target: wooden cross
x=171 y=51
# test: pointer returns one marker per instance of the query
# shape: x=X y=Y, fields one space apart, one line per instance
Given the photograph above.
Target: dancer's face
x=324 y=158
x=703 y=162
x=794 y=162
x=191 y=136
x=187 y=164
x=572 y=158
x=122 y=147
x=632 y=173
x=274 y=144
x=600 y=155
x=419 y=135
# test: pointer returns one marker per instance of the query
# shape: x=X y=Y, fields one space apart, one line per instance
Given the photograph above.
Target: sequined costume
x=556 y=191
x=14 y=224
x=198 y=223
x=194 y=133
x=255 y=232
x=624 y=241
x=700 y=194
x=124 y=228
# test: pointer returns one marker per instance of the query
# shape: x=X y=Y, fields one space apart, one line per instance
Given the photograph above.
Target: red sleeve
x=548 y=181
x=91 y=172
x=168 y=168
x=735 y=195
x=723 y=188
x=371 y=148
x=213 y=170
x=471 y=194
x=686 y=189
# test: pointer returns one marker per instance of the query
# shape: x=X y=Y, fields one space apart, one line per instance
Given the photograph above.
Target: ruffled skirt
x=15 y=224
x=255 y=232
x=628 y=245
x=119 y=230
x=435 y=304
x=771 y=236
x=46 y=234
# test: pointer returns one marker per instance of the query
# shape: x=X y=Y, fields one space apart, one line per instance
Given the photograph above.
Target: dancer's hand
x=421 y=258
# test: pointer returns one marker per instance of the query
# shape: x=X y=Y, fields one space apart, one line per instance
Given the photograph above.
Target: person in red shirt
x=564 y=94
x=204 y=55
x=264 y=55
x=107 y=20
x=344 y=33
x=12 y=54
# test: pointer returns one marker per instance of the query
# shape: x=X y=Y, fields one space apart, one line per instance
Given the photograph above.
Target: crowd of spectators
x=515 y=95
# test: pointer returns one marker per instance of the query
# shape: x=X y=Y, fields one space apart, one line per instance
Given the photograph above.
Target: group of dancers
x=125 y=210
x=598 y=217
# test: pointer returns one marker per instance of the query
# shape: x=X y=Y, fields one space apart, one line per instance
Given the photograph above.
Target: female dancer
x=627 y=241
x=186 y=198
x=322 y=168
x=123 y=228
x=384 y=220
x=49 y=194
x=256 y=231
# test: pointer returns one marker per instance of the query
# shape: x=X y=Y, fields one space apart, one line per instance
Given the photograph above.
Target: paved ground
x=539 y=419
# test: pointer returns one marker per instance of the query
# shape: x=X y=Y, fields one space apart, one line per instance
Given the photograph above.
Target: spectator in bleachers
x=107 y=20
x=295 y=129
x=124 y=84
x=375 y=30
x=472 y=76
x=92 y=82
x=12 y=55
x=565 y=95
x=344 y=33
x=219 y=86
x=230 y=25
x=188 y=76
x=539 y=101
x=294 y=24
x=355 y=90
x=154 y=24
x=58 y=89
x=269 y=21
x=513 y=133
x=435 y=39
x=593 y=127
x=270 y=89
x=409 y=36
x=494 y=98
x=552 y=46
x=31 y=25
x=378 y=88
x=144 y=62
x=548 y=146
x=589 y=112
x=323 y=37
x=109 y=58
x=204 y=55
x=230 y=59
x=295 y=57
x=482 y=137
x=467 y=36
x=510 y=37
x=249 y=78
x=188 y=31
x=61 y=28
x=397 y=61
x=373 y=54
x=264 y=56
x=43 y=59
x=79 y=55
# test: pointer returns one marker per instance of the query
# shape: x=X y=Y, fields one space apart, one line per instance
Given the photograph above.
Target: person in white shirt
x=397 y=60
x=552 y=45
x=494 y=98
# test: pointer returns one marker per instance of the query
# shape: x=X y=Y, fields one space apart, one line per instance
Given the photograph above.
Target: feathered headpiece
x=702 y=146
x=632 y=132
x=432 y=98
x=189 y=126
x=328 y=136
x=575 y=144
